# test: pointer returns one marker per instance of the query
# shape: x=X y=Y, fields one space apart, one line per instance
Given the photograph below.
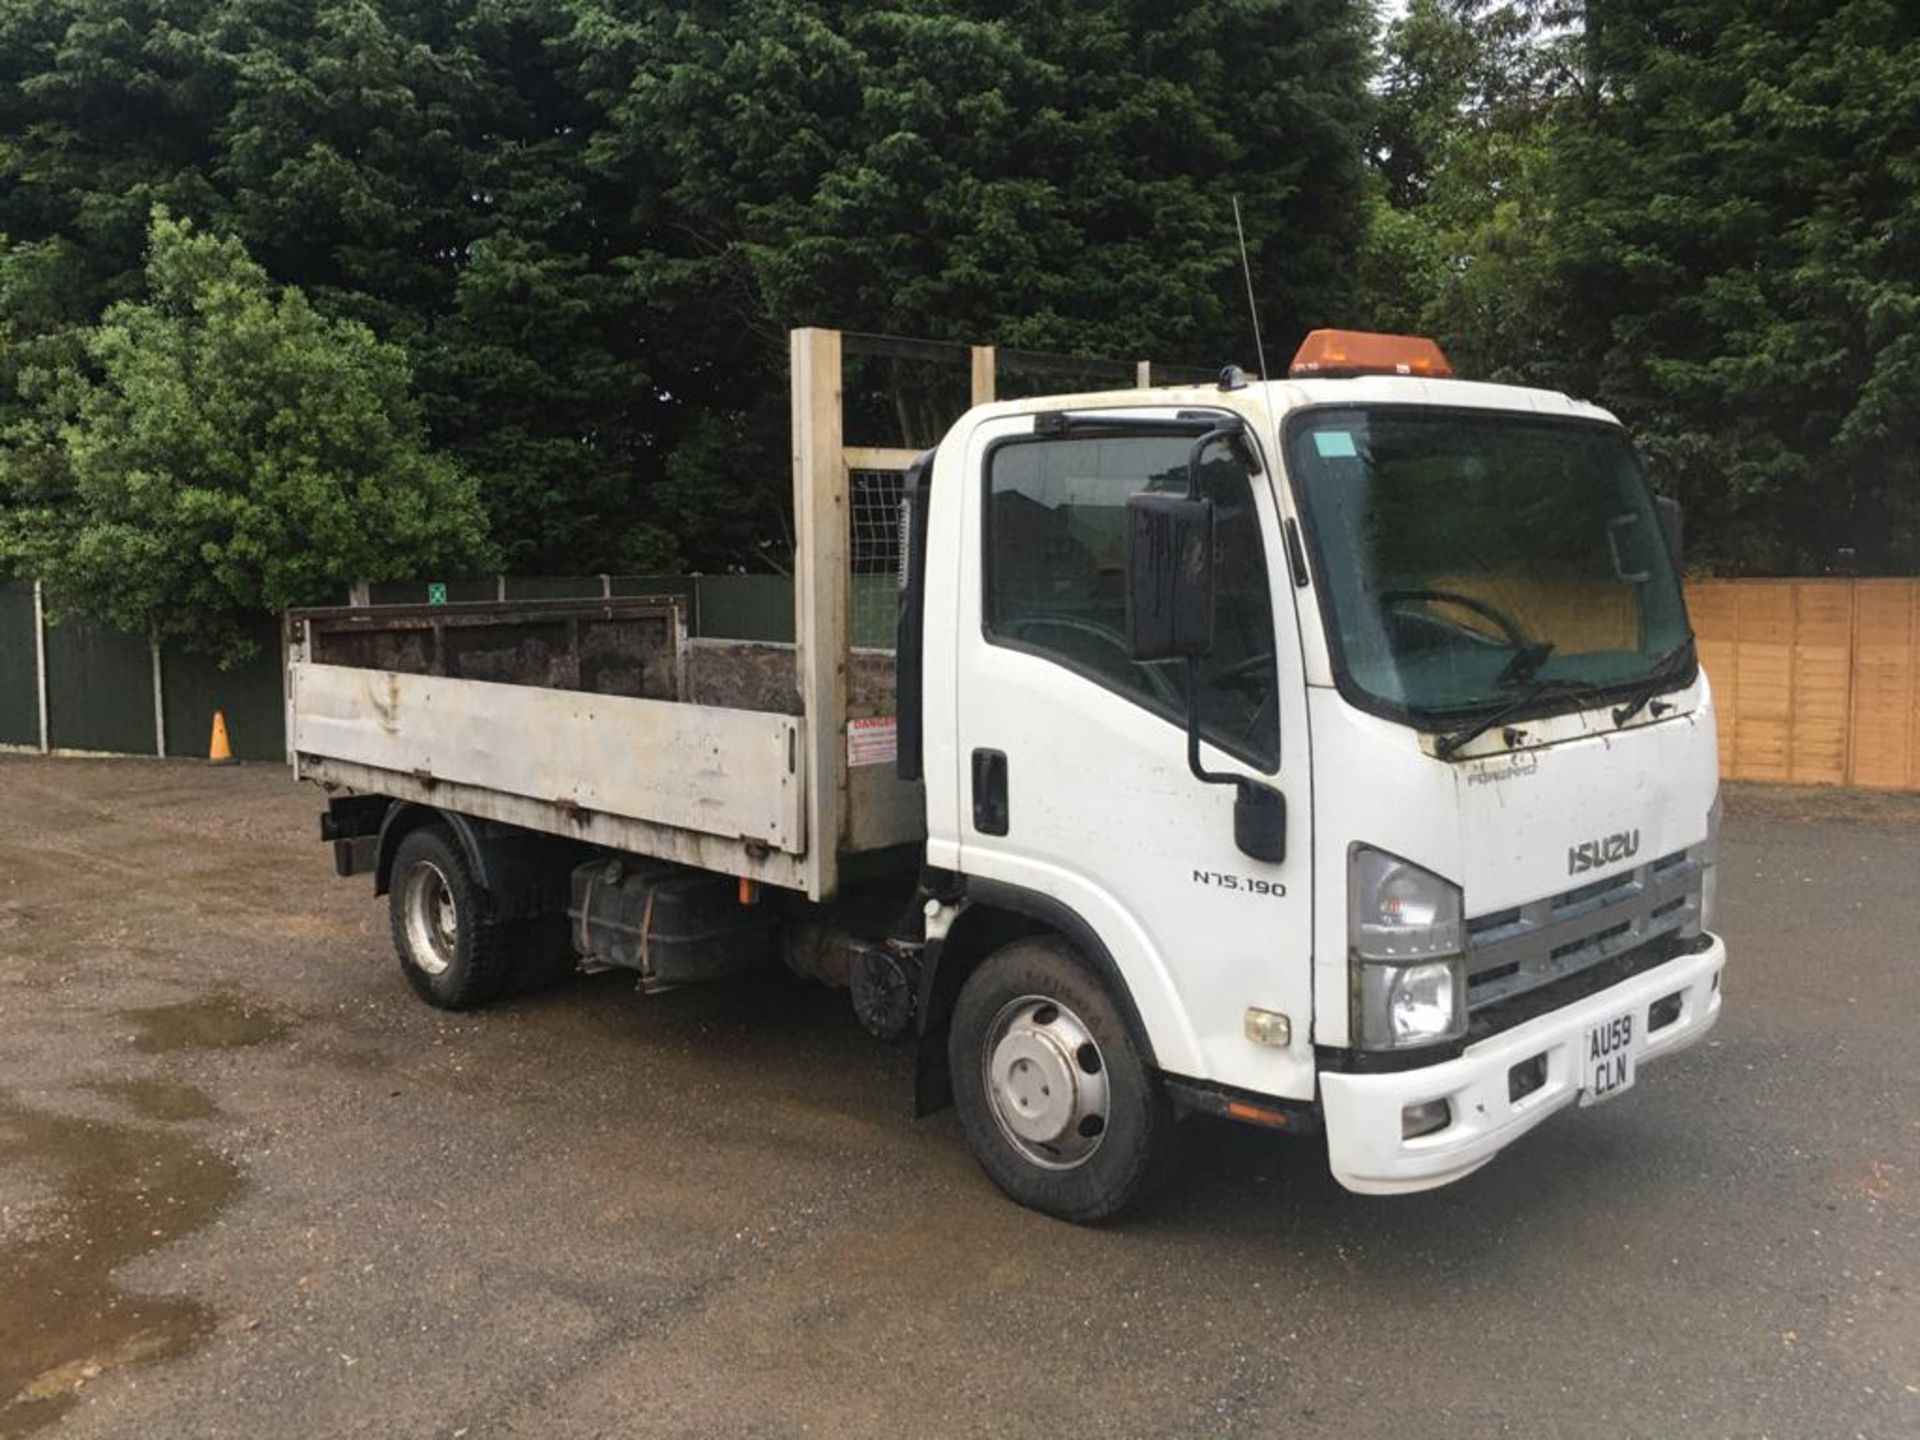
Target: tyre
x=451 y=948
x=1055 y=1098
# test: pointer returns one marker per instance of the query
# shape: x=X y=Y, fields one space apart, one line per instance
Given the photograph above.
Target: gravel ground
x=250 y=1187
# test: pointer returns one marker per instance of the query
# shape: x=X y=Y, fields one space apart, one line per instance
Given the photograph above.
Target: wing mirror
x=1169 y=576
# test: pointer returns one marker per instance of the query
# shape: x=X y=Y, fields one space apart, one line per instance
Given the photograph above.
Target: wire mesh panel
x=877 y=554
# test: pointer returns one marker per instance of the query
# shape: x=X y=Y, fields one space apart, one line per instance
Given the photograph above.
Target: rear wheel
x=1056 y=1099
x=451 y=948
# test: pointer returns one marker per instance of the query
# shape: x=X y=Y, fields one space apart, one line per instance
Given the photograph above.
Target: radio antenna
x=1253 y=309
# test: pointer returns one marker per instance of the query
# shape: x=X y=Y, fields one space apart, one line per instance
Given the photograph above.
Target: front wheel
x=1055 y=1098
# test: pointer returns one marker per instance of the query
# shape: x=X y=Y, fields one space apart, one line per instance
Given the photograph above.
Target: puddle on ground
x=212 y=1022
x=119 y=1192
x=160 y=1099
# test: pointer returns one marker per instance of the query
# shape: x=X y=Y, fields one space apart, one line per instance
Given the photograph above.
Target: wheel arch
x=992 y=914
x=403 y=818
x=522 y=873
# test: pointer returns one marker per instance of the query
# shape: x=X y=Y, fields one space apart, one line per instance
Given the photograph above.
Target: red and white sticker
x=874 y=741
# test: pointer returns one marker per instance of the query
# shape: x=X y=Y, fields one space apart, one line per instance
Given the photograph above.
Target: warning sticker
x=874 y=741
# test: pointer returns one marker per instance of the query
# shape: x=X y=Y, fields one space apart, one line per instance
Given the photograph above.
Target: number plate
x=1606 y=1059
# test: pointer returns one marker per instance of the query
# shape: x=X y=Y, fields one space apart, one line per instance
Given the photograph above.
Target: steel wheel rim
x=1046 y=1082
x=433 y=921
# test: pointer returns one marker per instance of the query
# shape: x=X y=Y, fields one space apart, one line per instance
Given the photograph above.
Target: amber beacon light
x=1332 y=354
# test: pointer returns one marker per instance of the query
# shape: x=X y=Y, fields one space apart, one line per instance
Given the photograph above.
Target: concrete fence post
x=286 y=686
x=159 y=704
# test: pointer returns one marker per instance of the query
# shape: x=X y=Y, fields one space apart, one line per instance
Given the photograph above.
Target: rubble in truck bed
x=600 y=647
x=758 y=675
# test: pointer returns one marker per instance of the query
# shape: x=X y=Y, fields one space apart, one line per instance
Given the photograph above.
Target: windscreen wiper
x=1665 y=671
x=1449 y=744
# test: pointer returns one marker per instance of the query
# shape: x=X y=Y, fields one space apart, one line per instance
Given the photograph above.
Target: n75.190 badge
x=1244 y=884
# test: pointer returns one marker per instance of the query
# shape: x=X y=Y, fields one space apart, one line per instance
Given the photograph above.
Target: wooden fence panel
x=1715 y=623
x=1821 y=682
x=1817 y=682
x=1886 y=654
x=1763 y=679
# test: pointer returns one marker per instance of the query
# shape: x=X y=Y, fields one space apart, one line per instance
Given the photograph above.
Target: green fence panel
x=653 y=584
x=680 y=586
x=745 y=607
x=19 y=666
x=553 y=587
x=99 y=689
x=193 y=687
x=397 y=592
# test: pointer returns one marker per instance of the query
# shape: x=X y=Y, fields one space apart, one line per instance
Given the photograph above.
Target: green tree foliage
x=1057 y=172
x=1741 y=193
x=1465 y=96
x=217 y=449
x=1036 y=174
x=590 y=222
x=1705 y=215
x=411 y=164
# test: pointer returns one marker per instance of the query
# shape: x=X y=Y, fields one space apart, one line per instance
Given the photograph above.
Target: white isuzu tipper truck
x=1329 y=754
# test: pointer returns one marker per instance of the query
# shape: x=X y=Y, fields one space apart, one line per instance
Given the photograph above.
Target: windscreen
x=1472 y=558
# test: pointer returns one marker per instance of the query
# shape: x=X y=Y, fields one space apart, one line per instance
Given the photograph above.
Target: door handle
x=990 y=792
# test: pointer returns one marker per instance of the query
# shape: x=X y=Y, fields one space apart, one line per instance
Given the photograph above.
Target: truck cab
x=1446 y=657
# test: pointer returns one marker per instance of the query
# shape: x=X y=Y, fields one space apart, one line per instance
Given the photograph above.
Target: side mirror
x=1673 y=525
x=1169 y=576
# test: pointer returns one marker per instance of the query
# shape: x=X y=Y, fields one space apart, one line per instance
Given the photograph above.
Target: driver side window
x=1055 y=582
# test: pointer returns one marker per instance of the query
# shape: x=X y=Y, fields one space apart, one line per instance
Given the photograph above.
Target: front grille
x=1516 y=1009
x=1513 y=952
x=1575 y=899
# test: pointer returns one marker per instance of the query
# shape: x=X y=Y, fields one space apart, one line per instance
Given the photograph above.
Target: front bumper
x=1363 y=1112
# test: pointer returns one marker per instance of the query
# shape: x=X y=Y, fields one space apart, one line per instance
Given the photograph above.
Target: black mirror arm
x=1259 y=814
x=1226 y=431
x=1200 y=772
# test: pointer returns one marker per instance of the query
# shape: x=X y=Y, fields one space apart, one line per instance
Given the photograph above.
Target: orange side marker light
x=1258 y=1114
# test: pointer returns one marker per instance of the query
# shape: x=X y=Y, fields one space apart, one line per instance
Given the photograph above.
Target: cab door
x=1072 y=774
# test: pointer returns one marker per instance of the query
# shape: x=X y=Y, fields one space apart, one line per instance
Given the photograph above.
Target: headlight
x=1404 y=936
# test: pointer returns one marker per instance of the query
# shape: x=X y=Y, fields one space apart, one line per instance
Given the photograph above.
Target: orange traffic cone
x=219 y=752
